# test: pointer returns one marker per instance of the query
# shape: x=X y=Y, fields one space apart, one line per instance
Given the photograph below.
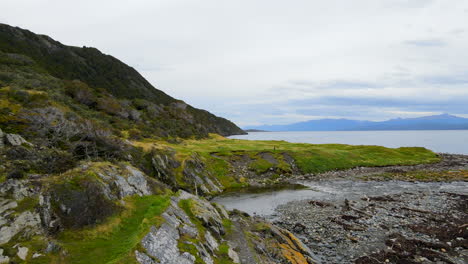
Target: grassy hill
x=94 y=83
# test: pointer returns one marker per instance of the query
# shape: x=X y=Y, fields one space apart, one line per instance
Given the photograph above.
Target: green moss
x=27 y=203
x=260 y=165
x=188 y=206
x=227 y=224
x=222 y=254
x=114 y=240
x=186 y=244
x=309 y=158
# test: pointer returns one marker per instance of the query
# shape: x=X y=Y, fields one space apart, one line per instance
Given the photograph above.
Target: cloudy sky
x=275 y=61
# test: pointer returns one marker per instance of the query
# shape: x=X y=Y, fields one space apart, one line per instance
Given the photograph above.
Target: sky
x=277 y=62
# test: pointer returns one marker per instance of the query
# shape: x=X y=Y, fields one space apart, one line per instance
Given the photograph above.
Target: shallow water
x=264 y=204
x=445 y=141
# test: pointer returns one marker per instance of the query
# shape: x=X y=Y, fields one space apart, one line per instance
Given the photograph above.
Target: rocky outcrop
x=191 y=230
x=198 y=177
x=163 y=243
x=194 y=230
x=14 y=220
x=89 y=194
x=12 y=140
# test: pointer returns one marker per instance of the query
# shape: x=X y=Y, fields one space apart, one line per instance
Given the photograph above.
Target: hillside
x=98 y=166
x=96 y=82
x=436 y=122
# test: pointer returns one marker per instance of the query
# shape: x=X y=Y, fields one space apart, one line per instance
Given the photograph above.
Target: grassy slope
x=310 y=158
x=113 y=241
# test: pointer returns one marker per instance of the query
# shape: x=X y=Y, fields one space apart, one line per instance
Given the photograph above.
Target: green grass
x=310 y=158
x=113 y=241
x=260 y=165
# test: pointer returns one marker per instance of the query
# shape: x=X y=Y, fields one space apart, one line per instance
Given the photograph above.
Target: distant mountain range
x=435 y=122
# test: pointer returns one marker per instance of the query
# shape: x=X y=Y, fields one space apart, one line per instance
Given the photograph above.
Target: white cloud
x=225 y=55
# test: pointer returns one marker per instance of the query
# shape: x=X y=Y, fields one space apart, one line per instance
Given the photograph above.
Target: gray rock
x=210 y=183
x=6 y=204
x=16 y=140
x=25 y=220
x=18 y=188
x=22 y=252
x=3 y=259
x=138 y=181
x=211 y=242
x=134 y=184
x=188 y=230
x=233 y=255
x=143 y=258
x=162 y=244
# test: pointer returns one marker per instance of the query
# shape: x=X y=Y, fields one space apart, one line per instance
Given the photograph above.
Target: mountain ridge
x=433 y=122
x=108 y=77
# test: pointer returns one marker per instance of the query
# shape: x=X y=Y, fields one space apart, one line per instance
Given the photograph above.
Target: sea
x=440 y=141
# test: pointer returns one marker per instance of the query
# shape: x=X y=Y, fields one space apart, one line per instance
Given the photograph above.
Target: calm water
x=265 y=203
x=446 y=141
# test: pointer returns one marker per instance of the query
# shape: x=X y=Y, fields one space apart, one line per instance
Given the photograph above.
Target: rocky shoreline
x=402 y=222
x=449 y=162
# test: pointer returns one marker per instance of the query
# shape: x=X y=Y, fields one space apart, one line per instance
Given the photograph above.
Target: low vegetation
x=281 y=158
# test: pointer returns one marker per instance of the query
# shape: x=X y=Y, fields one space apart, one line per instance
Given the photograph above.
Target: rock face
x=196 y=224
x=12 y=221
x=88 y=195
x=162 y=243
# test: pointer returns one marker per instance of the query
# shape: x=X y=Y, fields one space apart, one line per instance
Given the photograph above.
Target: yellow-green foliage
x=260 y=165
x=223 y=257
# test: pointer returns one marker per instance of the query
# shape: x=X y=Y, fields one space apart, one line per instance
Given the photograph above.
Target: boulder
x=15 y=140
x=233 y=255
x=22 y=252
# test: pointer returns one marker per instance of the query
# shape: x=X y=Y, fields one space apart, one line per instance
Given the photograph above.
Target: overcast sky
x=276 y=61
